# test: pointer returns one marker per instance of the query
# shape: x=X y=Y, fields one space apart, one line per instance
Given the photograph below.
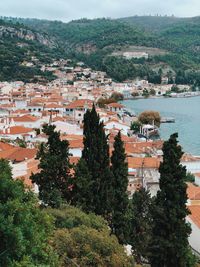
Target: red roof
x=81 y=103
x=18 y=154
x=143 y=162
x=193 y=192
x=25 y=118
x=5 y=146
x=115 y=105
x=195 y=214
x=17 y=130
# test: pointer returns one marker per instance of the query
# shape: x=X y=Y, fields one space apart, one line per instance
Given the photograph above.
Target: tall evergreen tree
x=96 y=156
x=54 y=178
x=140 y=224
x=120 y=184
x=170 y=231
x=82 y=186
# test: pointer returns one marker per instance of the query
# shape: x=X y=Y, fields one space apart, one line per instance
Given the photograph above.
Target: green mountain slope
x=22 y=53
x=94 y=41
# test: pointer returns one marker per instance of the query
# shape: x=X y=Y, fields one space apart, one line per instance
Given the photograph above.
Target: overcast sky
x=67 y=10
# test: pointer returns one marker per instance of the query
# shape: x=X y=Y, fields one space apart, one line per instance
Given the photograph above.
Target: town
x=26 y=107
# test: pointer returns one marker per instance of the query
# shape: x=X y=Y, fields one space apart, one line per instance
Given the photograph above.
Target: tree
x=82 y=239
x=170 y=246
x=145 y=92
x=24 y=228
x=96 y=156
x=82 y=186
x=120 y=184
x=135 y=126
x=150 y=117
x=190 y=177
x=54 y=179
x=140 y=224
x=152 y=92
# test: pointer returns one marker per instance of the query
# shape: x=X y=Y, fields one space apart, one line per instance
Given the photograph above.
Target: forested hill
x=23 y=51
x=101 y=42
x=158 y=23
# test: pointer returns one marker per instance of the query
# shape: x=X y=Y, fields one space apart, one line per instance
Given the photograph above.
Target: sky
x=67 y=10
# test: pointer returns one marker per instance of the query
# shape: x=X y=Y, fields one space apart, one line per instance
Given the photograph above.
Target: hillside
x=98 y=42
x=23 y=51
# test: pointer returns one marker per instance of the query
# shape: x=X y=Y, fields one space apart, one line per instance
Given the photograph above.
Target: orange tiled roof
x=193 y=192
x=195 y=214
x=75 y=143
x=18 y=154
x=143 y=162
x=80 y=104
x=115 y=105
x=25 y=118
x=5 y=146
x=17 y=130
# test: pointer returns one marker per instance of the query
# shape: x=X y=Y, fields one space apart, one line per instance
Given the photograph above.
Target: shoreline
x=186 y=117
x=160 y=97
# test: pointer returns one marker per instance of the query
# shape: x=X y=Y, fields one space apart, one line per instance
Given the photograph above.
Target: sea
x=185 y=111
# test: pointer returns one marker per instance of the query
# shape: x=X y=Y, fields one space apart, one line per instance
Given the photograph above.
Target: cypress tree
x=140 y=224
x=120 y=184
x=54 y=179
x=96 y=156
x=169 y=246
x=82 y=186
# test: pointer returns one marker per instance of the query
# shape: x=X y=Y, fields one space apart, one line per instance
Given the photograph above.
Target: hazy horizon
x=67 y=10
x=163 y=16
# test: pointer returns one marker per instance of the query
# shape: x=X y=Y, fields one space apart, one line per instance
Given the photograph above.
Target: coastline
x=184 y=111
x=163 y=97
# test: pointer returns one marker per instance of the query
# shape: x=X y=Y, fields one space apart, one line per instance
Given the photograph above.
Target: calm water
x=186 y=112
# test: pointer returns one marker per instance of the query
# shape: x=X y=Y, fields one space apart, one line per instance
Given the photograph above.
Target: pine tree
x=120 y=184
x=170 y=230
x=96 y=156
x=54 y=178
x=140 y=224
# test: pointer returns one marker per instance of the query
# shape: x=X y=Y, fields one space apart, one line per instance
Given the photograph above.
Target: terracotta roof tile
x=195 y=214
x=115 y=105
x=18 y=154
x=145 y=162
x=193 y=192
x=5 y=146
x=80 y=104
x=25 y=118
x=17 y=130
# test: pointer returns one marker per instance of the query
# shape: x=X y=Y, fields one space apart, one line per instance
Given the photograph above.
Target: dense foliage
x=24 y=228
x=96 y=156
x=54 y=179
x=93 y=42
x=170 y=245
x=120 y=183
x=85 y=240
x=140 y=227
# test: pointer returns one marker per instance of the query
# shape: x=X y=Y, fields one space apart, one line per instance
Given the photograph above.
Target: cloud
x=73 y=9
